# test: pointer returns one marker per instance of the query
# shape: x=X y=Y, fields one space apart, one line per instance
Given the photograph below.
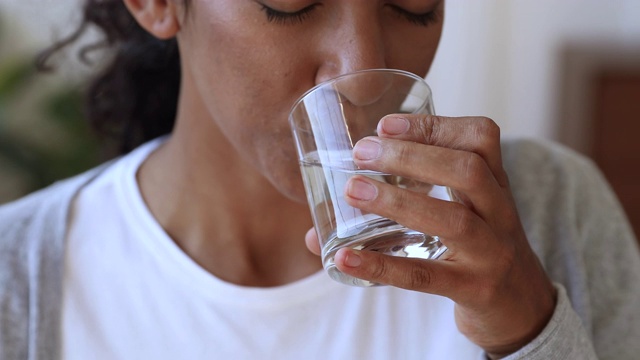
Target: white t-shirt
x=131 y=293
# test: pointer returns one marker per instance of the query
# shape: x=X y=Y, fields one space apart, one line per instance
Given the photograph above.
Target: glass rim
x=358 y=72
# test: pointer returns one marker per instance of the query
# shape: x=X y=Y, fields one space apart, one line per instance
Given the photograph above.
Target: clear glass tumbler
x=327 y=121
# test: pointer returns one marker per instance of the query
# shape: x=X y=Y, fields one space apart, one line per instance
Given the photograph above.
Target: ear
x=158 y=17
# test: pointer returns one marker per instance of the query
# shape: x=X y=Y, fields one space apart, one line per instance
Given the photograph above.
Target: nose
x=356 y=44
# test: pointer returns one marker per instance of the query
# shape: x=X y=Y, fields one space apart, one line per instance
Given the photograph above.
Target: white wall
x=501 y=58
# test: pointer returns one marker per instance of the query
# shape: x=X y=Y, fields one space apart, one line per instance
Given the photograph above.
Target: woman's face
x=249 y=60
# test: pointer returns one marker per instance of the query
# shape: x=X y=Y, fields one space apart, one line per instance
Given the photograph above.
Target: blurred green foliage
x=46 y=140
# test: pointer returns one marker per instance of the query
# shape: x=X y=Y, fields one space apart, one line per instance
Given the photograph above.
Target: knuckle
x=380 y=270
x=429 y=128
x=418 y=278
x=462 y=221
x=403 y=153
x=397 y=200
x=473 y=170
x=487 y=132
x=486 y=128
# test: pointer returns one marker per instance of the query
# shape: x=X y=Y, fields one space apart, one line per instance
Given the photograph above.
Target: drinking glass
x=327 y=121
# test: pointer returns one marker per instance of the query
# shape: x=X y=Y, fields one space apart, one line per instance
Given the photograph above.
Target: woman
x=191 y=246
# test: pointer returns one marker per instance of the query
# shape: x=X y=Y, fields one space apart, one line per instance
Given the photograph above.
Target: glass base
x=394 y=240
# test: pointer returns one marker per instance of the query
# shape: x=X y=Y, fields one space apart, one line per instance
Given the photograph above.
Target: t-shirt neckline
x=185 y=270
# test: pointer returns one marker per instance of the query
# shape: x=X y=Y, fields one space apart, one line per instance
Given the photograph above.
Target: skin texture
x=226 y=185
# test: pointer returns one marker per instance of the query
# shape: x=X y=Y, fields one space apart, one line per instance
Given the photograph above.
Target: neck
x=221 y=211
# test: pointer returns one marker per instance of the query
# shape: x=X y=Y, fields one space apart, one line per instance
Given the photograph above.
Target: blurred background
x=567 y=71
x=43 y=136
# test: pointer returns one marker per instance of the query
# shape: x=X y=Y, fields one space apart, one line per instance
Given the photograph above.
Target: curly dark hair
x=134 y=98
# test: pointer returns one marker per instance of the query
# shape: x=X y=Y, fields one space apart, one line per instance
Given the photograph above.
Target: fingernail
x=393 y=125
x=361 y=190
x=367 y=150
x=352 y=259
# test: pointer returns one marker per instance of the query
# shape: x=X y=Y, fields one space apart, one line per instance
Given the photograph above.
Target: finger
x=463 y=171
x=311 y=240
x=434 y=277
x=479 y=135
x=451 y=221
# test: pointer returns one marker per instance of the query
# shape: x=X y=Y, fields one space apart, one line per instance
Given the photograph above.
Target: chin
x=281 y=169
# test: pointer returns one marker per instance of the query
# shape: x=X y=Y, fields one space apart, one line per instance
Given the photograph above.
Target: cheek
x=256 y=125
x=248 y=82
x=247 y=89
x=412 y=48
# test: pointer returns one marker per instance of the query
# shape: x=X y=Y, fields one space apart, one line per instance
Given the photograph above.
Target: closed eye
x=424 y=19
x=288 y=18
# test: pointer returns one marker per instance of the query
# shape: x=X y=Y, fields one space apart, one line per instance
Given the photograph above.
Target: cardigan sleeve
x=579 y=230
x=32 y=235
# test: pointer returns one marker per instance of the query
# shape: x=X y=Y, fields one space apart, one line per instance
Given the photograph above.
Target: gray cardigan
x=572 y=219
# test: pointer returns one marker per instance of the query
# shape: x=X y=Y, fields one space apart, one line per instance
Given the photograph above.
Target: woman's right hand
x=503 y=296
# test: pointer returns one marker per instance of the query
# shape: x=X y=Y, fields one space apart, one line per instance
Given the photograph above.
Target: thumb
x=311 y=239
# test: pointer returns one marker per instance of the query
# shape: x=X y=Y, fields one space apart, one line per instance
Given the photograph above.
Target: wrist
x=494 y=353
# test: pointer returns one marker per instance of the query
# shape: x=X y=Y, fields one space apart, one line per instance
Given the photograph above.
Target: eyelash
x=285 y=18
x=425 y=19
